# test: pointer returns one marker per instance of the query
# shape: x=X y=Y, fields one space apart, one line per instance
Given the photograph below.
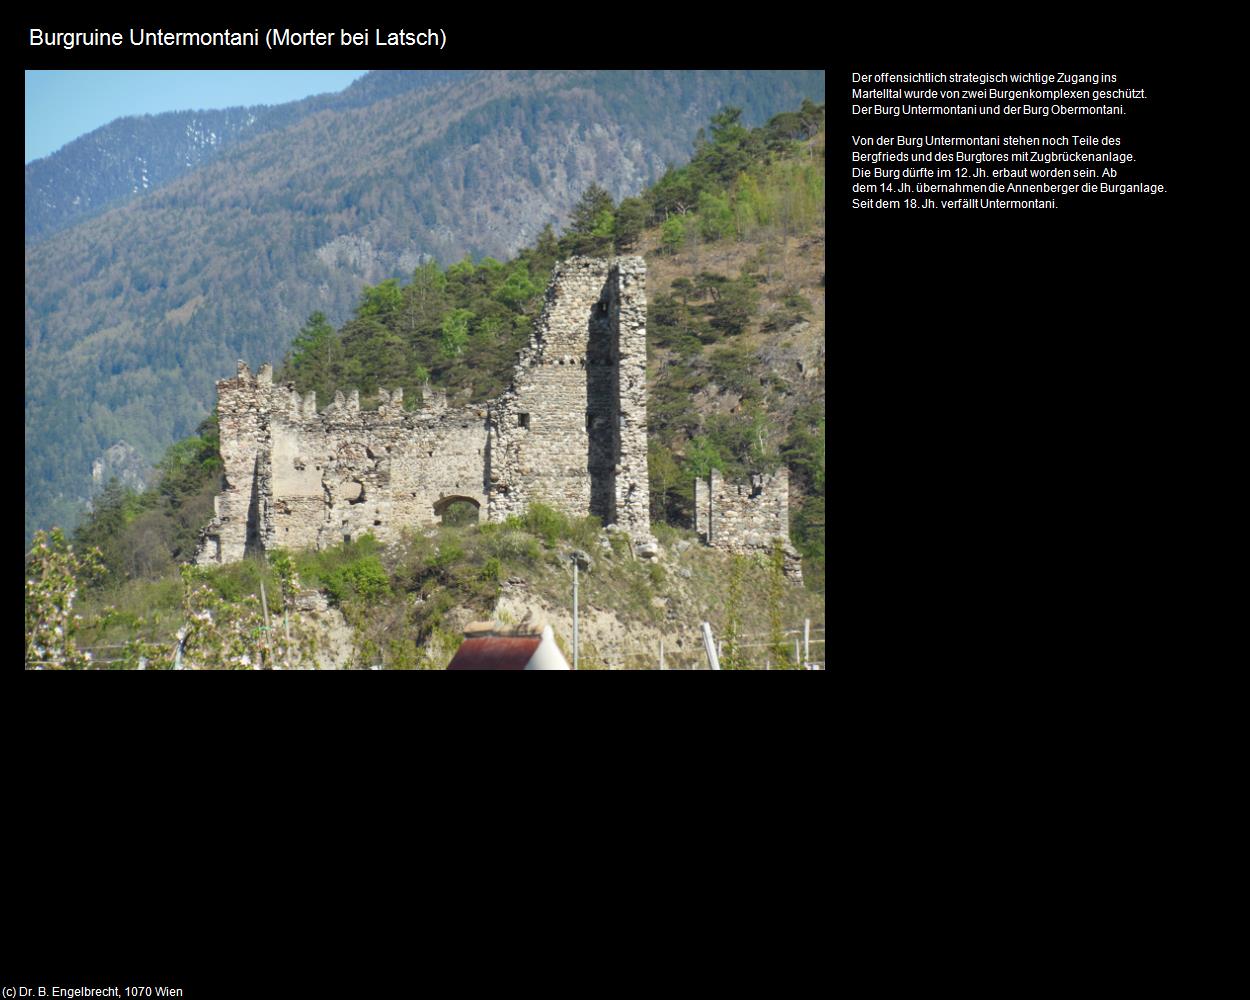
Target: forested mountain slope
x=134 y=156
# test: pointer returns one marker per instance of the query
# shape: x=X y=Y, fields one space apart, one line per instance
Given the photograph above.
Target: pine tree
x=591 y=228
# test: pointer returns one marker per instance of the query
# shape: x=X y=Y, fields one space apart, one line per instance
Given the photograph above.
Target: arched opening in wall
x=457 y=510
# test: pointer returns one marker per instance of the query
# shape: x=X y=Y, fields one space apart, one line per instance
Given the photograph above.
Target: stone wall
x=297 y=478
x=629 y=321
x=570 y=432
x=747 y=517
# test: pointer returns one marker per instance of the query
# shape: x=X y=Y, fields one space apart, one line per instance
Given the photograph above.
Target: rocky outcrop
x=122 y=462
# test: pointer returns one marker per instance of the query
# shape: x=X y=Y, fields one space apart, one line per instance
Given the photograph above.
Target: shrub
x=638 y=595
x=551 y=526
x=673 y=234
x=364 y=580
x=514 y=545
x=664 y=533
x=716 y=218
x=460 y=513
x=734 y=305
x=410 y=561
x=352 y=570
x=492 y=570
x=449 y=553
x=584 y=531
x=733 y=369
x=237 y=580
x=402 y=654
x=53 y=570
x=545 y=522
x=794 y=307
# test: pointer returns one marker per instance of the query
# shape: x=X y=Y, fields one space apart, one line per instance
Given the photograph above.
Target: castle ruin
x=571 y=432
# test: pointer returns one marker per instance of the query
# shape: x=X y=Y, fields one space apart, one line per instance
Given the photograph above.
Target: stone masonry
x=747 y=518
x=570 y=431
x=297 y=478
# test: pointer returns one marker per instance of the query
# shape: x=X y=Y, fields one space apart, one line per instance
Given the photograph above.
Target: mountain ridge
x=137 y=154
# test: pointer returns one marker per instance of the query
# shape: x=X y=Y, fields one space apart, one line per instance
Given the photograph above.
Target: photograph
x=423 y=369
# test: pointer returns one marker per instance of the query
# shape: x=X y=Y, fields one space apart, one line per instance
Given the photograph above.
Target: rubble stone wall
x=747 y=518
x=571 y=431
x=628 y=308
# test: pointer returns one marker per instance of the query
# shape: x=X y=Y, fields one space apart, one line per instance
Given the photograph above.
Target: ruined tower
x=747 y=518
x=571 y=432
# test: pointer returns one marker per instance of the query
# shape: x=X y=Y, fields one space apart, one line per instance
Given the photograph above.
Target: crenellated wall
x=297 y=478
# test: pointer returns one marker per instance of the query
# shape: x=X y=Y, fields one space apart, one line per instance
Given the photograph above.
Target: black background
x=1146 y=130
x=997 y=386
x=1015 y=400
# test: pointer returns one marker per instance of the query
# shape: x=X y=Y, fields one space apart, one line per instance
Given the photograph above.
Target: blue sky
x=61 y=105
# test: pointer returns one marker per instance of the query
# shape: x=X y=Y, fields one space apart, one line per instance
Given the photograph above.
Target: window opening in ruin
x=347 y=539
x=523 y=420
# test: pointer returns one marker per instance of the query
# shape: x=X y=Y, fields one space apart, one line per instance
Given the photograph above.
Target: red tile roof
x=495 y=653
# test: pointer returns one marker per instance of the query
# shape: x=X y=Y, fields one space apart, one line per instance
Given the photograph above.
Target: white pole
x=807 y=648
x=265 y=608
x=709 y=647
x=796 y=650
x=574 y=614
